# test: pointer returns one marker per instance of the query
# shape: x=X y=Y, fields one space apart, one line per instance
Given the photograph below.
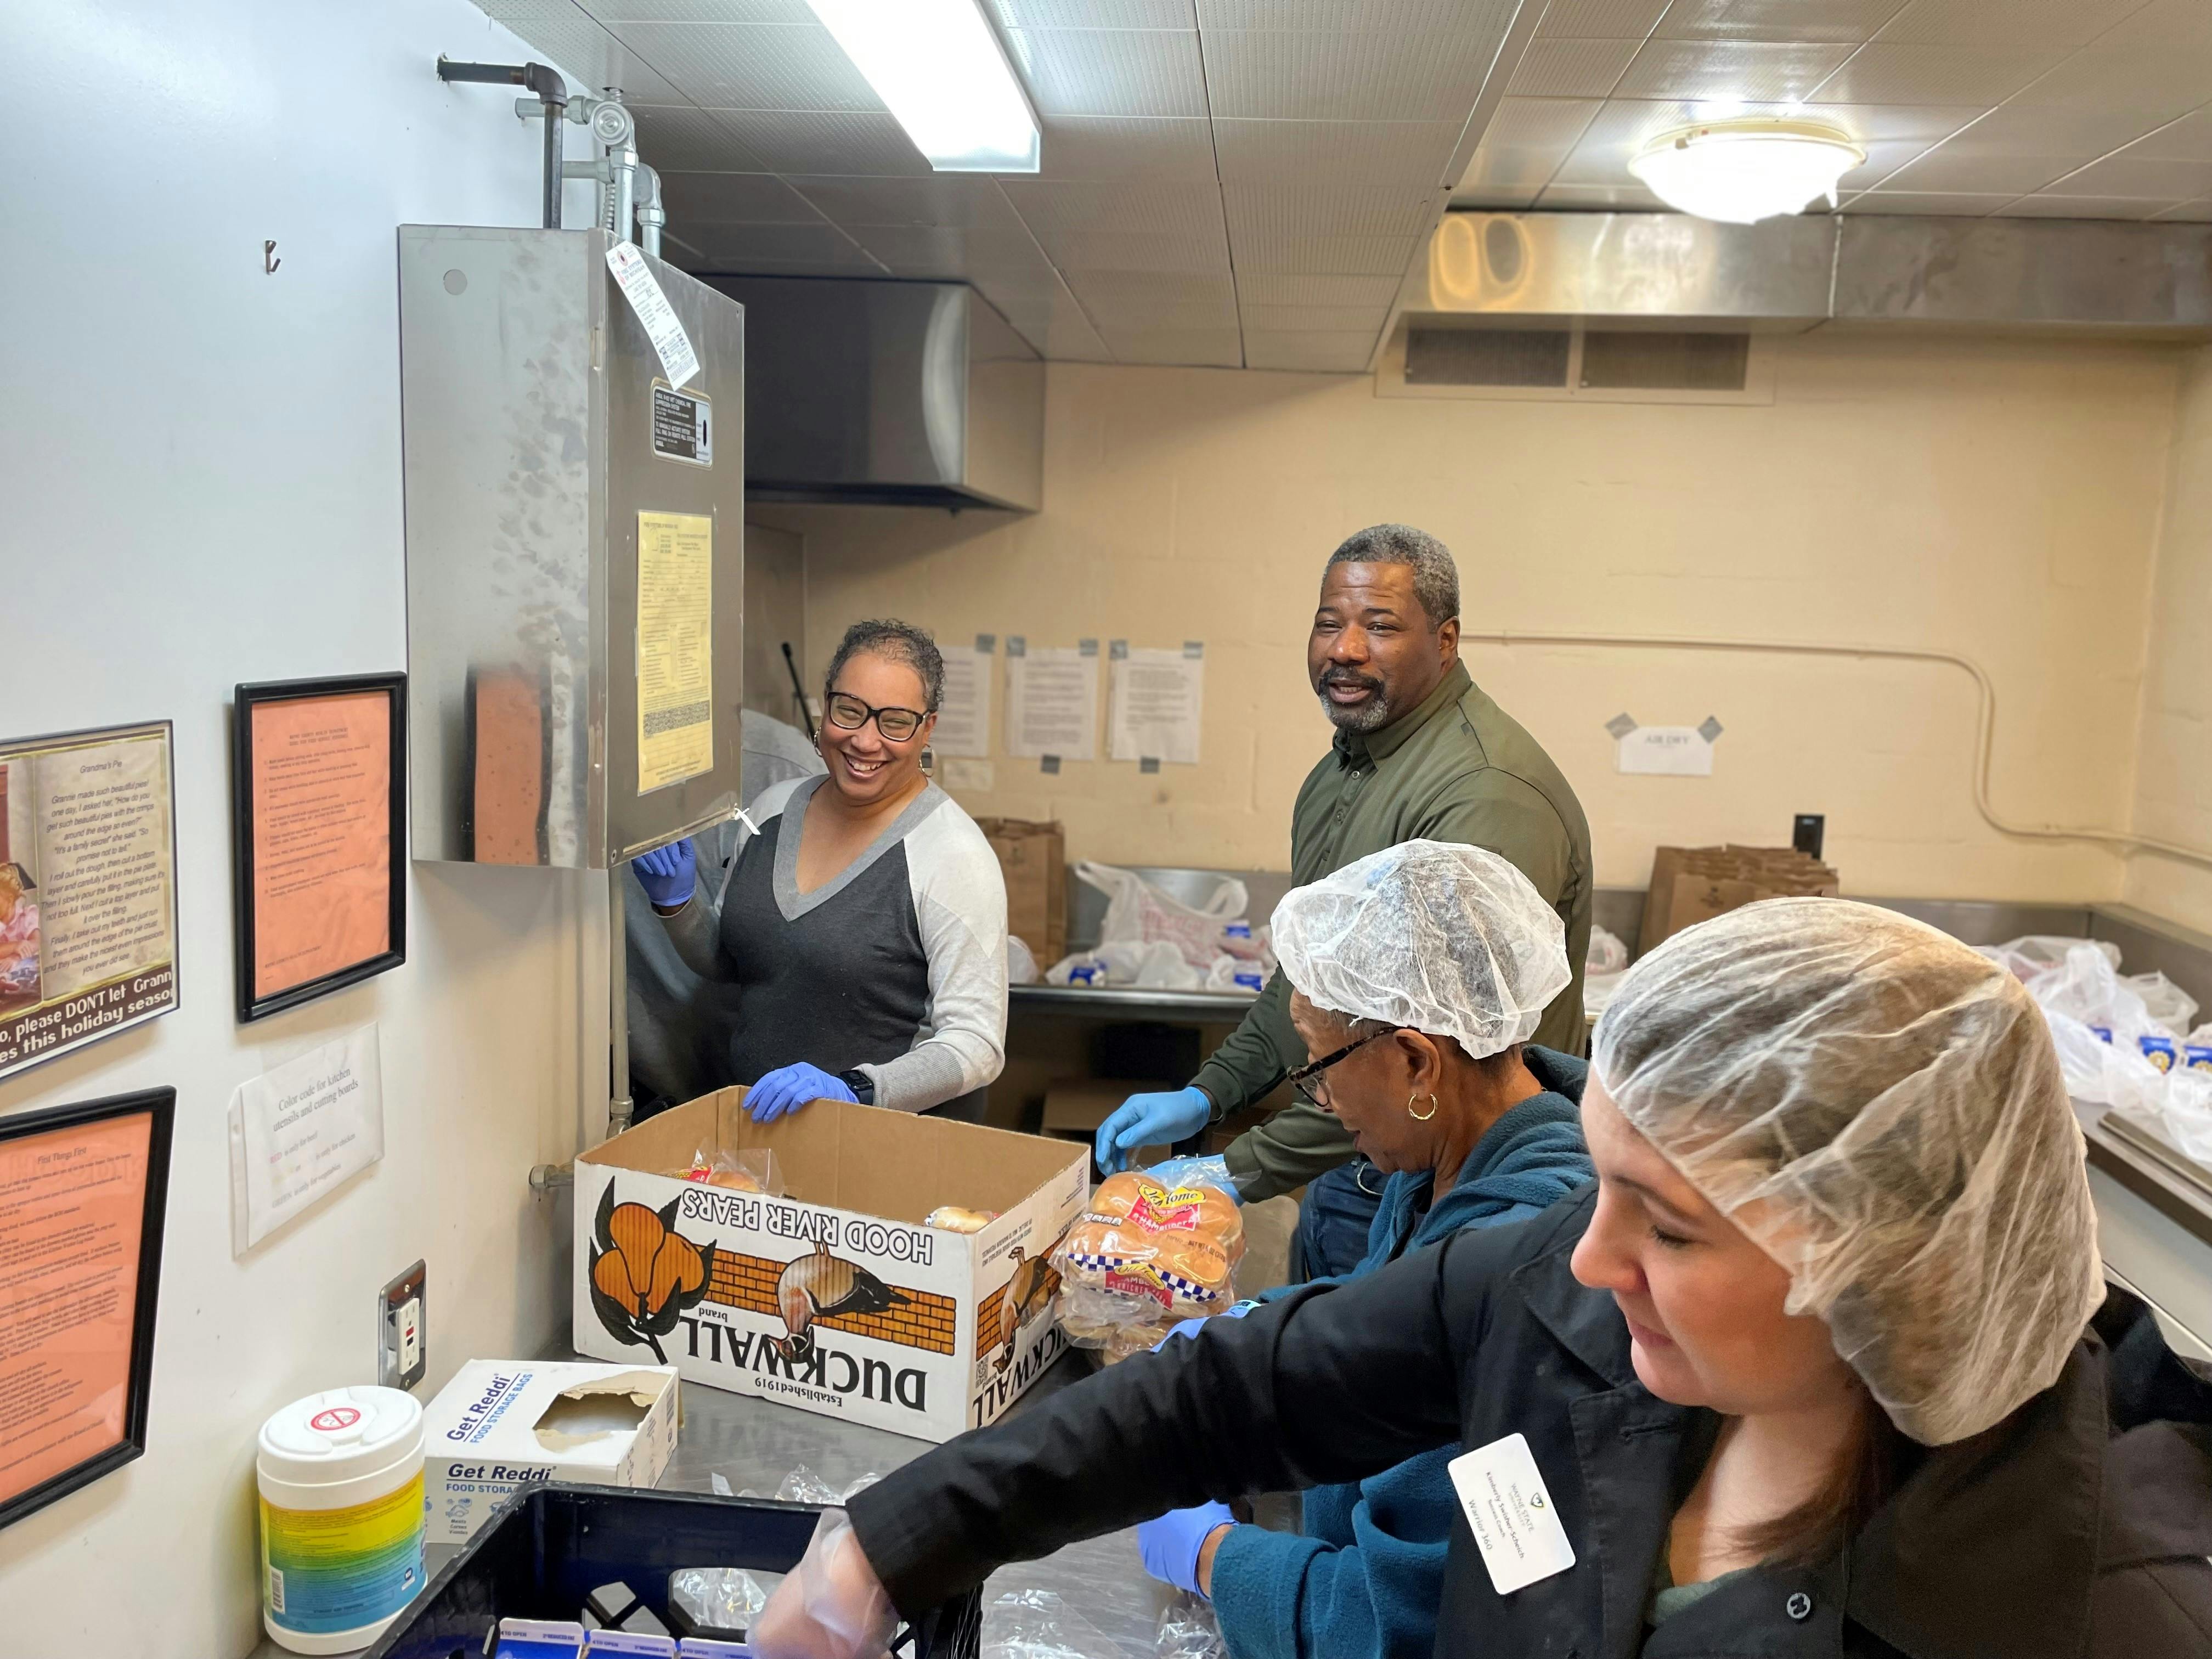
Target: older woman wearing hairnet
x=1822 y=1365
x=1417 y=974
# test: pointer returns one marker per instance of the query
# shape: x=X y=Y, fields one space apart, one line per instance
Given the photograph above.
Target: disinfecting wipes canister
x=341 y=1479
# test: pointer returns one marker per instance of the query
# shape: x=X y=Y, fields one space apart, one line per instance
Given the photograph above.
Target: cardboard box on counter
x=833 y=1297
x=1690 y=884
x=1033 y=857
x=500 y=1424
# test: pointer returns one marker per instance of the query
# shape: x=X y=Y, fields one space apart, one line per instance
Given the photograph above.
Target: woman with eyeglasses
x=864 y=921
x=1417 y=977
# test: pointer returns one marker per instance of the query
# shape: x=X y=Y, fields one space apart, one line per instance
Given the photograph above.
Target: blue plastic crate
x=547 y=1550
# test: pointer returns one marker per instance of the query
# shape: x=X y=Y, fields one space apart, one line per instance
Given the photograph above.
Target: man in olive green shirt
x=1420 y=754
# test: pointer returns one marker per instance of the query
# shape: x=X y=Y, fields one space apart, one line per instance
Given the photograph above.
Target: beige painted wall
x=2173 y=785
x=1998 y=499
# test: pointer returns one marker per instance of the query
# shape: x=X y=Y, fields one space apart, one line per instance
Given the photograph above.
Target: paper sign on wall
x=298 y=1132
x=963 y=714
x=675 y=648
x=1673 y=752
x=1052 y=703
x=655 y=315
x=1154 y=705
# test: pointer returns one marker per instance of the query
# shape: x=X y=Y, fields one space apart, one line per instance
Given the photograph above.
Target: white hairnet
x=1879 y=1108
x=1447 y=940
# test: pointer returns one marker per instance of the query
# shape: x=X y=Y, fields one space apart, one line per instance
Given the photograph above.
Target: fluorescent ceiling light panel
x=940 y=69
x=1744 y=170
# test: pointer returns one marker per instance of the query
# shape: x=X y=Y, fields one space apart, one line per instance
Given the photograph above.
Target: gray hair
x=1436 y=578
x=902 y=642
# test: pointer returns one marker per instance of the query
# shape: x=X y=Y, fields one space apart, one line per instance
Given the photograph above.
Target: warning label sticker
x=682 y=425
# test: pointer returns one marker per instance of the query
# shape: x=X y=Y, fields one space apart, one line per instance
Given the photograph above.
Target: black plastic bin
x=548 y=1548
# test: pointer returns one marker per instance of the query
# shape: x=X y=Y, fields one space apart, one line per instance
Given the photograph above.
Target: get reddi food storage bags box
x=832 y=1296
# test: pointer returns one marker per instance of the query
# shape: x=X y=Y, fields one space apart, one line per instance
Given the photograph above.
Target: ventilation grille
x=1576 y=361
x=1487 y=356
x=1666 y=362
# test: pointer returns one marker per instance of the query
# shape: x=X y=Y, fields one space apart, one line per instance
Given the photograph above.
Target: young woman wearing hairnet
x=1812 y=1369
x=1417 y=975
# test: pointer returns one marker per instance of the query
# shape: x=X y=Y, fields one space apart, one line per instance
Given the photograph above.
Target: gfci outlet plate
x=403 y=1341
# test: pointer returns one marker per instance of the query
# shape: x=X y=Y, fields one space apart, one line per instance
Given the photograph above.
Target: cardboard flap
x=597 y=1411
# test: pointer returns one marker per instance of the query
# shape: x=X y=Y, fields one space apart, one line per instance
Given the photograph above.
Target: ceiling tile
x=1056 y=208
x=1184 y=318
x=1538 y=122
x=1125 y=298
x=1497 y=171
x=1127 y=148
x=1906 y=201
x=675 y=137
x=1348 y=256
x=1881 y=73
x=2016 y=22
x=1757 y=72
x=585 y=52
x=737 y=247
x=1872 y=122
x=2130 y=174
x=699 y=11
x=1281 y=74
x=733 y=198
x=1774 y=19
x=1625 y=125
x=1560 y=67
x=1092 y=14
x=2164 y=23
x=1618 y=19
x=1121 y=250
x=2152 y=83
x=1111 y=72
x=2189 y=139
x=1335 y=152
x=2016 y=149
x=1294 y=210
x=1959 y=170
x=1884 y=156
x=1334 y=353
x=1307 y=320
x=777 y=66
x=2049 y=204
x=2197 y=212
x=1502 y=198
x=824 y=141
x=950 y=253
x=1622 y=197
x=1198 y=349
x=1285 y=289
x=1388 y=16
x=960 y=200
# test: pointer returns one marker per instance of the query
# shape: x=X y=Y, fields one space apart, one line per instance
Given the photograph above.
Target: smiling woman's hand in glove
x=788 y=1088
x=830 y=1605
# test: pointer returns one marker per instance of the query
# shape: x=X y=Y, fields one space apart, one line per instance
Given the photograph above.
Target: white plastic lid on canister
x=341 y=1450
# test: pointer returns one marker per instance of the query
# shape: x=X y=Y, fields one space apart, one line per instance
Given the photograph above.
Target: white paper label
x=1510 y=1514
x=301 y=1132
x=1676 y=751
x=655 y=315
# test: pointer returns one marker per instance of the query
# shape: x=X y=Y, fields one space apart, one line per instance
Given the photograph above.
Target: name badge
x=1510 y=1514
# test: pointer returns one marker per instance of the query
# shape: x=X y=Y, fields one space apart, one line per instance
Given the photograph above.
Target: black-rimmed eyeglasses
x=849 y=713
x=1312 y=1087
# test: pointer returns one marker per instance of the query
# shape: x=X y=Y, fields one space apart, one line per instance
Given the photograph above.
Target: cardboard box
x=833 y=1297
x=1034 y=859
x=1690 y=884
x=501 y=1423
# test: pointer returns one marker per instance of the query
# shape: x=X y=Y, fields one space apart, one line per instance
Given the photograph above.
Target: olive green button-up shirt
x=1457 y=768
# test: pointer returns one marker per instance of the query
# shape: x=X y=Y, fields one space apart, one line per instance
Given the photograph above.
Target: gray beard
x=1370 y=716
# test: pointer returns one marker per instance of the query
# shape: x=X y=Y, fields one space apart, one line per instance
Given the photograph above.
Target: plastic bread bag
x=954 y=1219
x=1147 y=1255
x=752 y=1170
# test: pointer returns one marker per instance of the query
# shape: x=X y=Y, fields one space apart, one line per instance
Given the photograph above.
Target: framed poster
x=319 y=781
x=87 y=887
x=84 y=1190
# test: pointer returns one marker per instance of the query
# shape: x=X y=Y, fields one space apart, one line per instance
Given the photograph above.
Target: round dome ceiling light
x=1743 y=170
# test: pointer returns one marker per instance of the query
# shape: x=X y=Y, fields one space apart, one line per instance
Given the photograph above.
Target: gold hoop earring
x=1420 y=1117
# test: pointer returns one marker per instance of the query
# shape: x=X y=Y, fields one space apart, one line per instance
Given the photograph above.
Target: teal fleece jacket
x=1364 y=1577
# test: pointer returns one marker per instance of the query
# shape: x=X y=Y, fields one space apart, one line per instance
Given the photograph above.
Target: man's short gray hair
x=1436 y=578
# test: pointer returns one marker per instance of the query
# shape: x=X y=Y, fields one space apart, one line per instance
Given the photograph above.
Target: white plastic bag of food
x=2166 y=1002
x=2086 y=987
x=1138 y=913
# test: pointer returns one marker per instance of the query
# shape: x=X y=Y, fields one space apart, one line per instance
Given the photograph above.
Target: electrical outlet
x=403 y=1330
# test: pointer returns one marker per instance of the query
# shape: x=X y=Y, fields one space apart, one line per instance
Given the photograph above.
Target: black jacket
x=2079 y=1527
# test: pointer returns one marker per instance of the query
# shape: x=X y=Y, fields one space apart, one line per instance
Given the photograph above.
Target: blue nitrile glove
x=1170 y=1546
x=668 y=873
x=1192 y=1327
x=1158 y=1119
x=788 y=1088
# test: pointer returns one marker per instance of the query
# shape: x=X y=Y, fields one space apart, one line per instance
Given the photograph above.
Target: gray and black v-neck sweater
x=897 y=966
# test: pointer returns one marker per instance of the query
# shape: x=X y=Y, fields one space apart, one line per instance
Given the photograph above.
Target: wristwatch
x=862 y=1085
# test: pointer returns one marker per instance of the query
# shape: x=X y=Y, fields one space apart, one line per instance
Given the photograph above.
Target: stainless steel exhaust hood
x=902 y=394
x=1789 y=275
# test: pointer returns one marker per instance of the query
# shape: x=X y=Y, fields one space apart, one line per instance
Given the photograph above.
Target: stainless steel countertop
x=753 y=1443
x=1131 y=1002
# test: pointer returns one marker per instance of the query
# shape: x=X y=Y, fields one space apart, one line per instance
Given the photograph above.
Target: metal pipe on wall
x=550 y=94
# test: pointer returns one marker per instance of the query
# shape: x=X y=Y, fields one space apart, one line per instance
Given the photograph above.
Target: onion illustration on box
x=916 y=1329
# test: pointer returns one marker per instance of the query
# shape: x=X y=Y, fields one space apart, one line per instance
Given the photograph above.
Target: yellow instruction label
x=675 y=648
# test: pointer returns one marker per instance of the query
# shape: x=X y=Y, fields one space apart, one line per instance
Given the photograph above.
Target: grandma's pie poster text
x=88 y=888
